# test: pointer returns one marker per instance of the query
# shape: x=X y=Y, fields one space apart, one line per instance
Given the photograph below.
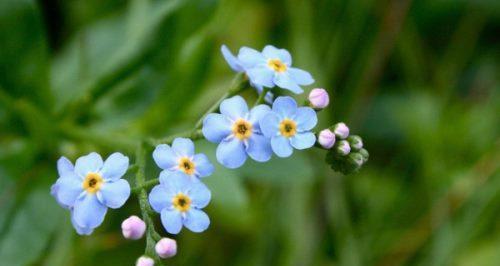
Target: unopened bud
x=356 y=159
x=133 y=227
x=356 y=142
x=343 y=147
x=365 y=154
x=145 y=261
x=319 y=98
x=341 y=130
x=166 y=248
x=326 y=138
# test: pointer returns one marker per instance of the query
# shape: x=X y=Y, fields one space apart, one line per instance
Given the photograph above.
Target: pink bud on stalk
x=326 y=138
x=133 y=227
x=166 y=248
x=319 y=98
x=145 y=261
x=343 y=147
x=341 y=130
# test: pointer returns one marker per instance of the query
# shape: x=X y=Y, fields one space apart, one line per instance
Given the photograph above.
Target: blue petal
x=216 y=127
x=183 y=146
x=250 y=58
x=285 y=106
x=164 y=156
x=114 y=194
x=306 y=119
x=281 y=146
x=115 y=167
x=88 y=211
x=171 y=220
x=89 y=163
x=231 y=153
x=199 y=194
x=269 y=124
x=175 y=181
x=283 y=80
x=303 y=140
x=80 y=230
x=271 y=52
x=233 y=62
x=196 y=221
x=257 y=113
x=160 y=198
x=68 y=189
x=203 y=166
x=300 y=76
x=261 y=75
x=234 y=107
x=54 y=189
x=259 y=148
x=64 y=166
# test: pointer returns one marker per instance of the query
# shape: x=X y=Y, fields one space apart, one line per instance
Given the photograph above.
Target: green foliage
x=416 y=79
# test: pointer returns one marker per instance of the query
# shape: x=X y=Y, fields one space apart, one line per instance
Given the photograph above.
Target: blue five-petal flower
x=238 y=133
x=181 y=157
x=179 y=200
x=89 y=187
x=289 y=126
x=272 y=67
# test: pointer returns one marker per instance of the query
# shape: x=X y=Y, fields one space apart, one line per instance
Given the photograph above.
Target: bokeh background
x=418 y=80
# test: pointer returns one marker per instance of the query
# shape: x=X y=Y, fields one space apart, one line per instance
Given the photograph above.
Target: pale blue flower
x=236 y=65
x=238 y=133
x=273 y=67
x=289 y=126
x=90 y=187
x=181 y=157
x=179 y=200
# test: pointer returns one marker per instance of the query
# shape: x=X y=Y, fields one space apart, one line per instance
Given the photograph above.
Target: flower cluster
x=273 y=125
x=346 y=153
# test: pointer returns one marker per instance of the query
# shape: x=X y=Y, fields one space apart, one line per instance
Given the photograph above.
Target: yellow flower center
x=186 y=165
x=242 y=129
x=276 y=65
x=288 y=128
x=92 y=182
x=181 y=202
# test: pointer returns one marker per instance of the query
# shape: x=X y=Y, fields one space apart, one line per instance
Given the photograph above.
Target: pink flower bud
x=166 y=248
x=326 y=138
x=343 y=147
x=145 y=261
x=319 y=98
x=133 y=227
x=341 y=130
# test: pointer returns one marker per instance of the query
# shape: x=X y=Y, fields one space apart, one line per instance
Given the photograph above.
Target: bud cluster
x=346 y=153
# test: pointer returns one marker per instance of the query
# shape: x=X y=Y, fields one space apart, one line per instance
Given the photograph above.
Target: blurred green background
x=418 y=80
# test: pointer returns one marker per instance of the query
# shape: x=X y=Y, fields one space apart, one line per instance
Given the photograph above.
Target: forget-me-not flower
x=181 y=157
x=289 y=126
x=236 y=65
x=273 y=67
x=89 y=187
x=179 y=200
x=238 y=133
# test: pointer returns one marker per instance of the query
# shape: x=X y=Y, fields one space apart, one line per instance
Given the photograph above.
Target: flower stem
x=237 y=85
x=262 y=96
x=192 y=134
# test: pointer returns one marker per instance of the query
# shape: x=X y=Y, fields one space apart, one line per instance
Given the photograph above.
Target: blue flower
x=273 y=67
x=181 y=157
x=237 y=66
x=289 y=126
x=238 y=133
x=179 y=201
x=90 y=187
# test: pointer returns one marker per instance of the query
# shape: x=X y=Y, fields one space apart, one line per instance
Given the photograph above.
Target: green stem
x=192 y=134
x=151 y=235
x=262 y=97
x=238 y=84
x=146 y=185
